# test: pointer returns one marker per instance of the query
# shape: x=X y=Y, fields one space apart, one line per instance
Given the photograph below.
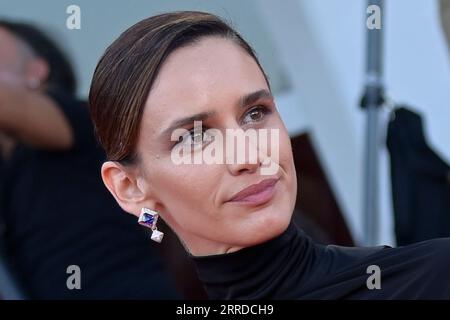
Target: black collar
x=254 y=272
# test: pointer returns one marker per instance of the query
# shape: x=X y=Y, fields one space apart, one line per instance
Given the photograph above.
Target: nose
x=245 y=157
x=240 y=168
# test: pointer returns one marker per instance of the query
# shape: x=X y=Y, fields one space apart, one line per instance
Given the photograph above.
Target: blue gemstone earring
x=148 y=218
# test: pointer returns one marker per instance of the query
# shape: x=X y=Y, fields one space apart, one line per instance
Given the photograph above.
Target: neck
x=198 y=246
x=259 y=271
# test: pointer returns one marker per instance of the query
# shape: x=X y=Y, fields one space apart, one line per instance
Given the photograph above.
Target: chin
x=269 y=224
x=257 y=225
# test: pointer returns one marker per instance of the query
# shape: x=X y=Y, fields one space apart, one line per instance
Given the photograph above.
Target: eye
x=195 y=138
x=255 y=114
x=191 y=137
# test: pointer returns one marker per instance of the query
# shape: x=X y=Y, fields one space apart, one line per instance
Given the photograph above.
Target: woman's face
x=208 y=81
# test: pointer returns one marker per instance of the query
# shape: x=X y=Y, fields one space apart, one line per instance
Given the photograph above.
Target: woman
x=150 y=89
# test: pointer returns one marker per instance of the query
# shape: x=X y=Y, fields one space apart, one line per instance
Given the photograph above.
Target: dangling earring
x=148 y=218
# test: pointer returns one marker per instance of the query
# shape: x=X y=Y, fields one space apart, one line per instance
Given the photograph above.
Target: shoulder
x=436 y=252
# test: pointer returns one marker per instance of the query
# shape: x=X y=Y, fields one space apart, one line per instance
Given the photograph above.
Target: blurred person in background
x=55 y=209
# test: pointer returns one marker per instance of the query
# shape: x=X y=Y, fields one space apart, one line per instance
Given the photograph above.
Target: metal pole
x=371 y=102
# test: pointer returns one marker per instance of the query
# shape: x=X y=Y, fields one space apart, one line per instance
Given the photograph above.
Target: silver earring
x=148 y=218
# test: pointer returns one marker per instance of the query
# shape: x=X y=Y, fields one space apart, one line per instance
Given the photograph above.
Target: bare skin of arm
x=33 y=118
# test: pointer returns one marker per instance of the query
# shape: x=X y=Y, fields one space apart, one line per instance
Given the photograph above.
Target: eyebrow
x=244 y=101
x=254 y=96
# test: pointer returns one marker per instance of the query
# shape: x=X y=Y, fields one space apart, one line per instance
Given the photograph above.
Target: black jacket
x=420 y=187
x=292 y=266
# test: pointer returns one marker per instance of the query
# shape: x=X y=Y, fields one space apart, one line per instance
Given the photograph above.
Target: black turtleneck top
x=292 y=266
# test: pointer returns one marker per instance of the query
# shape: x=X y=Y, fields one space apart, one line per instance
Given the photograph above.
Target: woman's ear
x=123 y=184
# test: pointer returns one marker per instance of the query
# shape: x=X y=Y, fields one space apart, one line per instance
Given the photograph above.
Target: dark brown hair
x=125 y=74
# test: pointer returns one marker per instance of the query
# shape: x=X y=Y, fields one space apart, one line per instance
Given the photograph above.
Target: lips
x=257 y=193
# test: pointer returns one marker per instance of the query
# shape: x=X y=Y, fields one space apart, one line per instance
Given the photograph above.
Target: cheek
x=285 y=156
x=284 y=142
x=287 y=161
x=11 y=79
x=187 y=188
